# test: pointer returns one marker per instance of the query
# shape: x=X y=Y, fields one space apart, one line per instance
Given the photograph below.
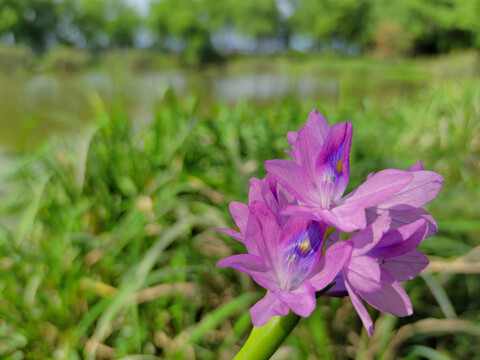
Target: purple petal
x=239 y=213
x=406 y=267
x=301 y=301
x=363 y=274
x=307 y=149
x=318 y=125
x=391 y=298
x=361 y=310
x=379 y=188
x=346 y=217
x=332 y=239
x=330 y=265
x=262 y=234
x=292 y=138
x=401 y=240
x=293 y=178
x=267 y=307
x=332 y=164
x=417 y=166
x=232 y=233
x=261 y=191
x=400 y=218
x=302 y=242
x=338 y=289
x=424 y=186
x=364 y=240
x=254 y=266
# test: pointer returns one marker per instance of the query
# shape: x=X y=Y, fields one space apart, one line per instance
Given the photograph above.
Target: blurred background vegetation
x=126 y=128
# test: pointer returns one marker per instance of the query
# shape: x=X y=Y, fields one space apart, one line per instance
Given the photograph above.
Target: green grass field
x=107 y=248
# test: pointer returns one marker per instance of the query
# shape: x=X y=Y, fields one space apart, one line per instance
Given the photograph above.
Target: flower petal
x=330 y=265
x=363 y=241
x=267 y=307
x=318 y=125
x=338 y=289
x=400 y=241
x=400 y=218
x=361 y=309
x=332 y=167
x=379 y=188
x=252 y=265
x=307 y=148
x=262 y=233
x=363 y=274
x=391 y=298
x=417 y=166
x=301 y=301
x=406 y=267
x=239 y=213
x=346 y=217
x=232 y=233
x=293 y=178
x=261 y=191
x=424 y=186
x=300 y=247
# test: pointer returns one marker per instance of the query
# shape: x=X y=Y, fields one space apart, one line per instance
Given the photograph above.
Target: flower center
x=300 y=255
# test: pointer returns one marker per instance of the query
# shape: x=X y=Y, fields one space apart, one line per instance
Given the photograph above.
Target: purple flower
x=286 y=260
x=320 y=172
x=380 y=259
x=288 y=213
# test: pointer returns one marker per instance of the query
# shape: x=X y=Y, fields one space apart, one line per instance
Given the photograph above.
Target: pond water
x=34 y=107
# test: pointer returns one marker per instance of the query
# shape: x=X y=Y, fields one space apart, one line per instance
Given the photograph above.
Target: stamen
x=304 y=246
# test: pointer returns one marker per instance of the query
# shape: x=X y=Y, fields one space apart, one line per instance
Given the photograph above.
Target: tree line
x=200 y=29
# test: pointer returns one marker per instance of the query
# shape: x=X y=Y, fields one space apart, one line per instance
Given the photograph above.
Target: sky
x=140 y=5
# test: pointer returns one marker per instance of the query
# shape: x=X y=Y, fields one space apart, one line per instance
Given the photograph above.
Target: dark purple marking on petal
x=302 y=242
x=332 y=164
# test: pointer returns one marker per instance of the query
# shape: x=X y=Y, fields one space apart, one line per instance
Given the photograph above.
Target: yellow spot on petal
x=304 y=247
x=339 y=167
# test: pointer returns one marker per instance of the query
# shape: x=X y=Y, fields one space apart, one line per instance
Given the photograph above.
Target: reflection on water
x=33 y=107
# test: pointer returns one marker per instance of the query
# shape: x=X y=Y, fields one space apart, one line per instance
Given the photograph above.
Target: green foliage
x=325 y=20
x=15 y=58
x=391 y=28
x=65 y=59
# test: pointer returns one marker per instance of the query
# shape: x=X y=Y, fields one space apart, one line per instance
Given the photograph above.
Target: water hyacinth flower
x=284 y=225
x=287 y=261
x=319 y=175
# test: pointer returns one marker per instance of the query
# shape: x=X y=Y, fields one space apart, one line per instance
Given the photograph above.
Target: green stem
x=265 y=340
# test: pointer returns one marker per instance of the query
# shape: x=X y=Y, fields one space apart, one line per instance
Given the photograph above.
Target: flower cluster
x=285 y=223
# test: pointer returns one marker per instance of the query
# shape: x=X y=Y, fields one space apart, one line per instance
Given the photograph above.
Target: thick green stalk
x=265 y=340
